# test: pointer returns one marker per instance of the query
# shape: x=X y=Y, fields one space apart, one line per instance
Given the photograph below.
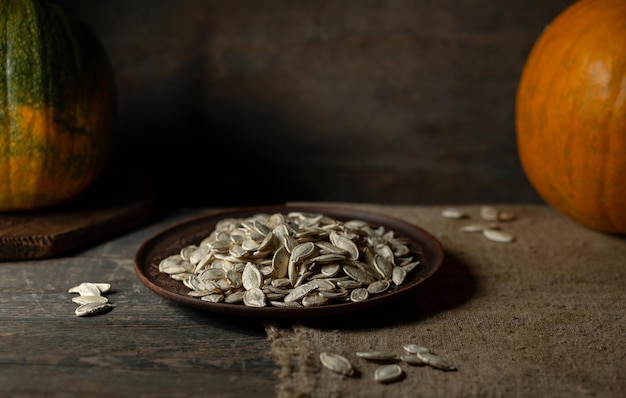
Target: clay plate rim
x=172 y=239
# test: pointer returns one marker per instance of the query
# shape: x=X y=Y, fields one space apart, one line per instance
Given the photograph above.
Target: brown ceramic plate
x=170 y=241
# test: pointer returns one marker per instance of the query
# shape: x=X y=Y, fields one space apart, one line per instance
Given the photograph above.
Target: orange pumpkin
x=571 y=114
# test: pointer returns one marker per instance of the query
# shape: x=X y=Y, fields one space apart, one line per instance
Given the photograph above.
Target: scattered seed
x=86 y=289
x=506 y=216
x=337 y=363
x=497 y=235
x=473 y=228
x=415 y=349
x=435 y=361
x=377 y=355
x=412 y=359
x=453 y=213
x=489 y=213
x=388 y=373
x=103 y=287
x=89 y=299
x=90 y=309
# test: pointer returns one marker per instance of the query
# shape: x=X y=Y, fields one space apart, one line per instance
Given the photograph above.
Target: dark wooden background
x=266 y=101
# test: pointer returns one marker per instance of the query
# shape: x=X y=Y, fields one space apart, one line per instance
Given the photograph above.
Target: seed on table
x=92 y=309
x=86 y=289
x=337 y=363
x=506 y=216
x=489 y=213
x=473 y=228
x=103 y=287
x=411 y=359
x=453 y=213
x=89 y=299
x=497 y=235
x=415 y=348
x=377 y=355
x=435 y=361
x=388 y=373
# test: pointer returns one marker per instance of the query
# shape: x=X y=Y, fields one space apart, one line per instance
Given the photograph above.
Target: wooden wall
x=265 y=101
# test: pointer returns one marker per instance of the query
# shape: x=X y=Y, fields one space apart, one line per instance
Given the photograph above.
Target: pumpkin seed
x=377 y=355
x=506 y=216
x=398 y=275
x=346 y=244
x=298 y=259
x=254 y=298
x=378 y=286
x=337 y=363
x=412 y=359
x=497 y=235
x=473 y=228
x=90 y=309
x=251 y=277
x=359 y=294
x=452 y=212
x=86 y=289
x=415 y=349
x=489 y=213
x=89 y=299
x=388 y=373
x=435 y=361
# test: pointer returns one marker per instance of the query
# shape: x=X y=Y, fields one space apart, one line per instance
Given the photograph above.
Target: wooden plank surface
x=119 y=200
x=145 y=346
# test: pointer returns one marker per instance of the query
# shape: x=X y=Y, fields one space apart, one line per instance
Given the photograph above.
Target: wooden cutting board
x=119 y=200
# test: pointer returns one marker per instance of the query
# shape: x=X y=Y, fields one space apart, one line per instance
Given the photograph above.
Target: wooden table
x=543 y=316
x=145 y=346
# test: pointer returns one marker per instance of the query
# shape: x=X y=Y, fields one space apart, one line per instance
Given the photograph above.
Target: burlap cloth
x=541 y=317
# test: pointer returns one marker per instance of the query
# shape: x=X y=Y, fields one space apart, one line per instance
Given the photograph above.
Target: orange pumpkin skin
x=571 y=114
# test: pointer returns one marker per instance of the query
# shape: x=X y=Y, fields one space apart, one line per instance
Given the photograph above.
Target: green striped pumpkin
x=57 y=106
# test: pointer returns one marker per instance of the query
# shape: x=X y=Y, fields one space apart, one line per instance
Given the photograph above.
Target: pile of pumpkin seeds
x=490 y=228
x=90 y=299
x=389 y=371
x=296 y=259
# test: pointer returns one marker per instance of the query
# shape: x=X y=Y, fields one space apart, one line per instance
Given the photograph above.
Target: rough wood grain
x=145 y=346
x=119 y=200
